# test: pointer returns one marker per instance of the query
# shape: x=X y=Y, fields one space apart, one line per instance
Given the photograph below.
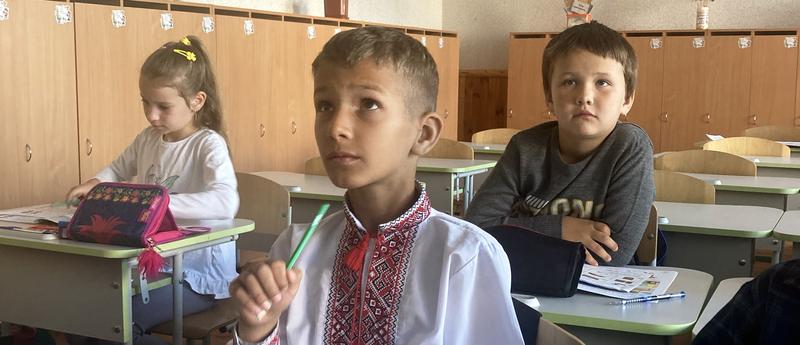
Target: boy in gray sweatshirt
x=585 y=177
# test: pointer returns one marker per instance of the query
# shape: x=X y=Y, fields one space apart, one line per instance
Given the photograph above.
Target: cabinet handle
x=707 y=118
x=665 y=117
x=89 y=147
x=753 y=119
x=262 y=130
x=446 y=114
x=294 y=127
x=510 y=113
x=28 y=153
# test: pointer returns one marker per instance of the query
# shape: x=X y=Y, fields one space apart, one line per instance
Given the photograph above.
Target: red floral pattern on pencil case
x=134 y=215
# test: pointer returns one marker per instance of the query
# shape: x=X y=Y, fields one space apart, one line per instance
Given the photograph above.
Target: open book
x=625 y=282
x=37 y=214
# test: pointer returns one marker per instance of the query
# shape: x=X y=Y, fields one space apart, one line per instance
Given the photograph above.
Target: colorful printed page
x=37 y=214
x=613 y=278
x=656 y=283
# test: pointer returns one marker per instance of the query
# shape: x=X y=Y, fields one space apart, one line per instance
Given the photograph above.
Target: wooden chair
x=446 y=148
x=267 y=204
x=677 y=187
x=647 y=252
x=494 y=136
x=747 y=146
x=776 y=133
x=551 y=334
x=705 y=162
x=314 y=166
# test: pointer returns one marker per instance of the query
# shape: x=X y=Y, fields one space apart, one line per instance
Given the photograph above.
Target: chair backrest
x=705 y=162
x=776 y=133
x=748 y=146
x=552 y=334
x=677 y=187
x=446 y=148
x=647 y=252
x=265 y=202
x=494 y=136
x=314 y=166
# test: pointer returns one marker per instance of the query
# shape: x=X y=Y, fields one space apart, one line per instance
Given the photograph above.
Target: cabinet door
x=646 y=110
x=774 y=81
x=447 y=65
x=683 y=92
x=238 y=88
x=270 y=153
x=526 y=103
x=728 y=83
x=37 y=100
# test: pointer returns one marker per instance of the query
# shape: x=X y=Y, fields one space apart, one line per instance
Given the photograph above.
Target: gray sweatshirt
x=614 y=185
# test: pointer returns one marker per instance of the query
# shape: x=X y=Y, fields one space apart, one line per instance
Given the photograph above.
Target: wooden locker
x=238 y=85
x=37 y=96
x=646 y=110
x=447 y=102
x=269 y=147
x=526 y=103
x=683 y=92
x=773 y=80
x=728 y=82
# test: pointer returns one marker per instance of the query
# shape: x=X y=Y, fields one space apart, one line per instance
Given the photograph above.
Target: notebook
x=625 y=282
x=37 y=214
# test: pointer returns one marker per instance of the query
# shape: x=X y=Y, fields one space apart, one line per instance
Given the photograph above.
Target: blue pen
x=650 y=298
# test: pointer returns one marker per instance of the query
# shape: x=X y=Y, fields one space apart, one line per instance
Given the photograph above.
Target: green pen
x=307 y=235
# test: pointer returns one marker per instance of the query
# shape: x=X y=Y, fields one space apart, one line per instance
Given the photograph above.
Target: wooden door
x=773 y=84
x=269 y=150
x=683 y=91
x=526 y=103
x=728 y=64
x=38 y=142
x=646 y=110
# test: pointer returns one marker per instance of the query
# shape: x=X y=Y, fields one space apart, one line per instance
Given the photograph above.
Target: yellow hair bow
x=187 y=54
x=185 y=40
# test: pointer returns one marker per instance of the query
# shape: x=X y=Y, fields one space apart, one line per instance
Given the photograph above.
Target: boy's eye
x=370 y=104
x=323 y=107
x=603 y=82
x=568 y=82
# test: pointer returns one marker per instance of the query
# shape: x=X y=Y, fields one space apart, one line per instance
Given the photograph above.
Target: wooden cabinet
x=646 y=110
x=727 y=83
x=773 y=80
x=447 y=65
x=108 y=59
x=526 y=103
x=683 y=93
x=38 y=139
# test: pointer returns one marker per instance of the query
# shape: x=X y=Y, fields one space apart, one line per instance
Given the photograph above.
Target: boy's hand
x=593 y=235
x=263 y=291
x=80 y=190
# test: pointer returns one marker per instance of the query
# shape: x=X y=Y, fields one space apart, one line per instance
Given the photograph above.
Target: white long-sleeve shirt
x=199 y=175
x=430 y=278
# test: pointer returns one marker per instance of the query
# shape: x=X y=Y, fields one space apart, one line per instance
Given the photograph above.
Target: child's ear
x=197 y=101
x=628 y=103
x=430 y=128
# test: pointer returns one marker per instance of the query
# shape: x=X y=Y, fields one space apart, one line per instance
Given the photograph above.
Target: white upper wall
x=483 y=26
x=417 y=13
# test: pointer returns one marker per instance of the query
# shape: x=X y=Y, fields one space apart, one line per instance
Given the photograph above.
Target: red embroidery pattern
x=347 y=320
x=101 y=230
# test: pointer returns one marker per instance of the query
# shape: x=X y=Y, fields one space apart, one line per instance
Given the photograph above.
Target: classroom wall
x=483 y=26
x=420 y=13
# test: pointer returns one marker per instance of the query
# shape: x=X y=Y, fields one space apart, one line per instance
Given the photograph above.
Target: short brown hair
x=185 y=65
x=597 y=39
x=387 y=46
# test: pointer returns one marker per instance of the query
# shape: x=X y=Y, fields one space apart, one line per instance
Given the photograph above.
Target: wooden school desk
x=777 y=166
x=716 y=239
x=442 y=177
x=777 y=192
x=788 y=229
x=86 y=288
x=307 y=192
x=724 y=293
x=591 y=318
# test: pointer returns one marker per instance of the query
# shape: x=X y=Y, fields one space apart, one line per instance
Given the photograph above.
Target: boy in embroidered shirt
x=585 y=177
x=388 y=269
